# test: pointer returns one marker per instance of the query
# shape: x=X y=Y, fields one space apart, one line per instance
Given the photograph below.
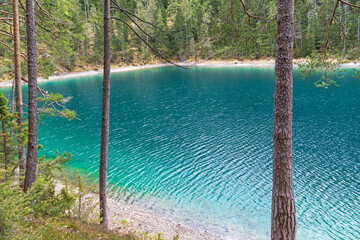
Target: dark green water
x=196 y=146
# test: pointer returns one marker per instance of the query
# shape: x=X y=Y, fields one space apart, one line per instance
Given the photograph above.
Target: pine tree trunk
x=17 y=63
x=358 y=30
x=283 y=220
x=94 y=28
x=6 y=159
x=31 y=160
x=105 y=117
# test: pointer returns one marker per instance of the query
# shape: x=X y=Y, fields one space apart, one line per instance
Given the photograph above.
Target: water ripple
x=196 y=146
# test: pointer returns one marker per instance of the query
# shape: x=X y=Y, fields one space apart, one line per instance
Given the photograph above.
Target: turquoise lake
x=196 y=146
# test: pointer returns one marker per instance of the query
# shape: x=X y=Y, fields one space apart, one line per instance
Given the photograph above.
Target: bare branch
x=155 y=39
x=6 y=34
x=152 y=48
x=125 y=11
x=350 y=4
x=4 y=19
x=334 y=12
x=335 y=18
x=22 y=55
x=46 y=12
x=5 y=4
x=9 y=13
x=249 y=14
x=230 y=12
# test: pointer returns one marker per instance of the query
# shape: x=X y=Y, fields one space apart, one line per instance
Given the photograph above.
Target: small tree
x=10 y=139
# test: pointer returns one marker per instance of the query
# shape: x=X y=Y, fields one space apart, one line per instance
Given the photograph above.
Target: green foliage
x=125 y=221
x=57 y=97
x=12 y=136
x=54 y=106
x=41 y=200
x=329 y=67
x=14 y=208
x=42 y=196
x=4 y=67
x=357 y=73
x=19 y=210
x=66 y=228
x=85 y=202
x=46 y=66
x=198 y=28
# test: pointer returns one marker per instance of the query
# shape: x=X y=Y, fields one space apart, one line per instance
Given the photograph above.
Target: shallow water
x=196 y=146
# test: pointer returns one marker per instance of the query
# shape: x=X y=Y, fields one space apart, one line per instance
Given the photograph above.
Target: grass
x=64 y=228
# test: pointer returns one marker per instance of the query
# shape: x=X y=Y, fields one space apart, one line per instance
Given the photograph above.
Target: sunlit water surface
x=196 y=146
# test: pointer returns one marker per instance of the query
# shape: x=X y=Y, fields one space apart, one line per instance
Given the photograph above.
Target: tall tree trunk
x=85 y=11
x=86 y=6
x=94 y=28
x=6 y=159
x=283 y=219
x=31 y=160
x=17 y=59
x=105 y=117
x=358 y=30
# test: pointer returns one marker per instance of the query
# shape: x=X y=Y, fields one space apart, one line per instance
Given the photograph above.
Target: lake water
x=196 y=146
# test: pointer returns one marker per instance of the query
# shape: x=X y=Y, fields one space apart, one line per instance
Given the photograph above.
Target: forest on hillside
x=70 y=32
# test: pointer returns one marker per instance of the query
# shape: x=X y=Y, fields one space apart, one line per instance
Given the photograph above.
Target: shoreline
x=139 y=218
x=211 y=63
x=126 y=218
x=234 y=63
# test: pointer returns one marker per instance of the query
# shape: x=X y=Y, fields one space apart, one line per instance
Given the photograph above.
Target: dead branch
x=9 y=13
x=141 y=20
x=151 y=37
x=335 y=18
x=249 y=14
x=230 y=13
x=350 y=4
x=6 y=34
x=5 y=19
x=5 y=4
x=22 y=54
x=152 y=48
x=46 y=12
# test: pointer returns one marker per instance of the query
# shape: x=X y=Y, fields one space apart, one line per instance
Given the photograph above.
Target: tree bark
x=283 y=220
x=31 y=160
x=17 y=66
x=6 y=160
x=105 y=117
